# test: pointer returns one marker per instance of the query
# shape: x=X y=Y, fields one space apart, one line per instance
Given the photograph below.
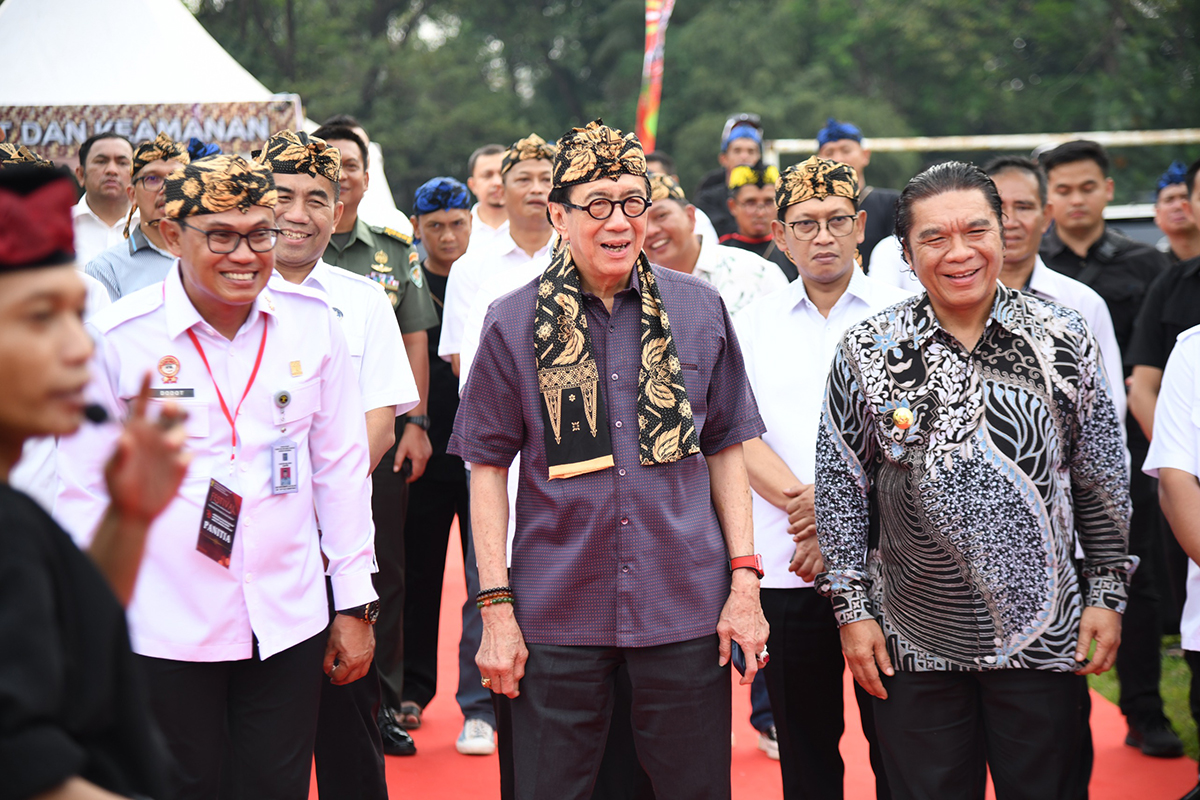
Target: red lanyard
x=254 y=374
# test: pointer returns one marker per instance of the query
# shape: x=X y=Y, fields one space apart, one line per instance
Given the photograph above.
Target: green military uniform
x=388 y=258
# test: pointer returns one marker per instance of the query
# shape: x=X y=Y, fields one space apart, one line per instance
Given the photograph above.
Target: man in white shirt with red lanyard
x=229 y=612
x=788 y=339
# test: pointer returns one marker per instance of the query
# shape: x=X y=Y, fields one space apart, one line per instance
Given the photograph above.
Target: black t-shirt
x=766 y=249
x=880 y=205
x=72 y=700
x=443 y=395
x=1172 y=305
x=1118 y=268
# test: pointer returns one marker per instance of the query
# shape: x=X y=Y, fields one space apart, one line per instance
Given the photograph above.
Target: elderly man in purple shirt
x=622 y=387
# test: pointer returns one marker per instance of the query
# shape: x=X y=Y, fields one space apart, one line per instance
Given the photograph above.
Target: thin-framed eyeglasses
x=602 y=208
x=223 y=242
x=151 y=183
x=805 y=229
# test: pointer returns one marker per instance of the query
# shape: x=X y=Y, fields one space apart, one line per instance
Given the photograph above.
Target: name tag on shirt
x=218 y=524
x=285 y=477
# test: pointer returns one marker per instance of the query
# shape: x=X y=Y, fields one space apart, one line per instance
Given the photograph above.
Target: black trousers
x=1139 y=659
x=389 y=507
x=432 y=506
x=240 y=730
x=940 y=732
x=349 y=750
x=680 y=716
x=804 y=681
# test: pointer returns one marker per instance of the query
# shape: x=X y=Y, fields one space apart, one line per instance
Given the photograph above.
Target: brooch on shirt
x=381 y=259
x=168 y=368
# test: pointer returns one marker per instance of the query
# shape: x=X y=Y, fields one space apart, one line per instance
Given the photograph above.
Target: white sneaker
x=477 y=739
x=768 y=743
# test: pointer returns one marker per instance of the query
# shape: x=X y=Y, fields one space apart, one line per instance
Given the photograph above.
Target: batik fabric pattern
x=161 y=148
x=217 y=184
x=576 y=431
x=527 y=149
x=972 y=509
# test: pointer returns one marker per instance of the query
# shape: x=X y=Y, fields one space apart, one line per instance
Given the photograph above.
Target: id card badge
x=218 y=524
x=285 y=477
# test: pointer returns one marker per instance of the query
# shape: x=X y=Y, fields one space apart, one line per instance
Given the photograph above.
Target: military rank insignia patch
x=381 y=259
x=415 y=273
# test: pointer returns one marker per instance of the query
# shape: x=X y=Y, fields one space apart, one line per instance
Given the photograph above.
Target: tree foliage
x=433 y=79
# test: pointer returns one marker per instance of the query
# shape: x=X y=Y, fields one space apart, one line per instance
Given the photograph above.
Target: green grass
x=1176 y=678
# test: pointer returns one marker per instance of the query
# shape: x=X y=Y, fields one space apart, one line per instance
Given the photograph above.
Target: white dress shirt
x=93 y=235
x=482 y=234
x=470 y=272
x=739 y=275
x=186 y=606
x=704 y=227
x=888 y=266
x=788 y=347
x=1176 y=444
x=34 y=473
x=373 y=337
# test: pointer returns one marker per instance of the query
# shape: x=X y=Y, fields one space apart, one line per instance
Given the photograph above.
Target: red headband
x=36 y=228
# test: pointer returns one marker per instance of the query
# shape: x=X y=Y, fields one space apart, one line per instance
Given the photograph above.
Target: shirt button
x=624 y=520
x=244 y=467
x=612 y=327
x=248 y=577
x=621 y=472
x=614 y=376
x=625 y=568
x=618 y=423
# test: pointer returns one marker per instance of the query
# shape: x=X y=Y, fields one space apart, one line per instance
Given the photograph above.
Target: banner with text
x=55 y=132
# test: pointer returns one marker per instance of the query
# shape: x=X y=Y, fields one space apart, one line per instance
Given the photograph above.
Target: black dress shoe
x=396 y=741
x=1155 y=739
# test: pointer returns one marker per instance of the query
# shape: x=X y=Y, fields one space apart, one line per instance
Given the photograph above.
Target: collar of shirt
x=505 y=245
x=318 y=278
x=82 y=209
x=860 y=286
x=1105 y=249
x=182 y=315
x=139 y=241
x=477 y=220
x=741 y=237
x=1002 y=314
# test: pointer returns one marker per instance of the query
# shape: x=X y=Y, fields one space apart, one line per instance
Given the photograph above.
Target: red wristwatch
x=753 y=562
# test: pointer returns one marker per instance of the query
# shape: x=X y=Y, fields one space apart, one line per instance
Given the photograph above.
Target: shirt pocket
x=302 y=401
x=357 y=345
x=197 y=422
x=697 y=392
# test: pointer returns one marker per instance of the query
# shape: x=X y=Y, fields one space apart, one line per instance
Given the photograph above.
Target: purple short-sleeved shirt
x=630 y=556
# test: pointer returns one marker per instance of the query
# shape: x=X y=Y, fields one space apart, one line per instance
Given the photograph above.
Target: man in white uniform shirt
x=100 y=215
x=489 y=217
x=788 y=340
x=674 y=241
x=351 y=734
x=229 y=612
x=1174 y=459
x=525 y=171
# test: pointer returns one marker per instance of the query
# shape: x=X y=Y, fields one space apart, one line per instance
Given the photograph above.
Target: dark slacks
x=804 y=680
x=255 y=720
x=680 y=717
x=432 y=506
x=389 y=506
x=941 y=731
x=1139 y=659
x=349 y=750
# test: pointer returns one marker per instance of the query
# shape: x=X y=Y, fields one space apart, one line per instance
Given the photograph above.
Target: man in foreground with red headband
x=623 y=389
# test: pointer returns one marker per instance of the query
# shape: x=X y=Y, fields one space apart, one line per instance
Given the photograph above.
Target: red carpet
x=438 y=772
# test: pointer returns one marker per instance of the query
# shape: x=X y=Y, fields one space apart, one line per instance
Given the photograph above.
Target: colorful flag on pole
x=658 y=13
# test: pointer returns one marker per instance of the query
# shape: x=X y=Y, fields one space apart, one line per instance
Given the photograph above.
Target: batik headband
x=816 y=178
x=297 y=153
x=759 y=175
x=664 y=187
x=162 y=148
x=527 y=149
x=11 y=154
x=216 y=184
x=597 y=151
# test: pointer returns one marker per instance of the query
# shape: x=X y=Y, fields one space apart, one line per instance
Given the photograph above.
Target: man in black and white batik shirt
x=968 y=434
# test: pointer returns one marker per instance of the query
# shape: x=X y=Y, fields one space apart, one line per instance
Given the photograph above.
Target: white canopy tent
x=102 y=52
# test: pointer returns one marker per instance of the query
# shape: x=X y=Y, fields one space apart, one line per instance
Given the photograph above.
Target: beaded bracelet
x=499 y=590
x=490 y=601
